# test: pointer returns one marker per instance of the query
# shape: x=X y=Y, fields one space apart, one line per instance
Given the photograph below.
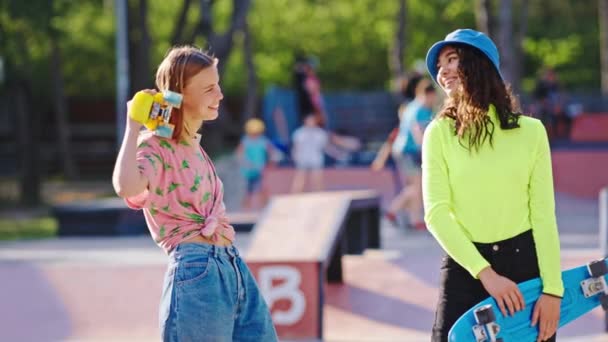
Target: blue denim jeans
x=209 y=294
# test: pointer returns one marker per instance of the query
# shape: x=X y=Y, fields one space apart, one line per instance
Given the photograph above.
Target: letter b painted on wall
x=288 y=288
x=291 y=291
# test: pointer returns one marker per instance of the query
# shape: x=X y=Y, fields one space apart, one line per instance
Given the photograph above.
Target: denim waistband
x=522 y=240
x=204 y=248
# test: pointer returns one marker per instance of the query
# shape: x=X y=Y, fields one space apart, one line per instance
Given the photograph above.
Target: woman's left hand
x=546 y=312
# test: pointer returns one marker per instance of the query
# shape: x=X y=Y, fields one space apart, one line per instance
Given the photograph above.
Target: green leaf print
x=197 y=182
x=165 y=208
x=172 y=187
x=147 y=156
x=196 y=217
x=158 y=157
x=206 y=197
x=143 y=144
x=153 y=210
x=185 y=204
x=167 y=166
x=174 y=231
x=185 y=164
x=200 y=156
x=167 y=145
x=162 y=231
x=159 y=191
x=184 y=143
x=190 y=233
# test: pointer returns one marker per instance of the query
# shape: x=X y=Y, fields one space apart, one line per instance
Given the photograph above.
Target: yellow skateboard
x=154 y=111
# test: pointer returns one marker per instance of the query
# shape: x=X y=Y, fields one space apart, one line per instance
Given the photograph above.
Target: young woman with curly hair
x=488 y=189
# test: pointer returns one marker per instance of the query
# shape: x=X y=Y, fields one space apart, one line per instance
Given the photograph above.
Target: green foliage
x=87 y=45
x=554 y=52
x=564 y=35
x=351 y=39
x=85 y=31
x=30 y=228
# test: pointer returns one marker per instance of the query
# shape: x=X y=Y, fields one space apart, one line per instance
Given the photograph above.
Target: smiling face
x=193 y=73
x=202 y=95
x=447 y=75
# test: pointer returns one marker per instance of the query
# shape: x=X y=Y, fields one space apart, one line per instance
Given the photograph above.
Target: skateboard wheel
x=604 y=301
x=485 y=315
x=597 y=268
x=174 y=99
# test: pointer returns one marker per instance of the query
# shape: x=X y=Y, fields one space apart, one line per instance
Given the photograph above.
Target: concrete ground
x=107 y=289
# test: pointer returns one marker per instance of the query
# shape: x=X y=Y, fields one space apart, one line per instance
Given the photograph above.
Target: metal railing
x=603 y=232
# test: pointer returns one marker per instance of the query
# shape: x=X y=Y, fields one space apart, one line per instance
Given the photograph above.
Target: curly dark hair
x=481 y=86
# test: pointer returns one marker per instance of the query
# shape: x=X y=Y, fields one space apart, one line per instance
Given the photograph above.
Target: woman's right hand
x=503 y=290
x=132 y=124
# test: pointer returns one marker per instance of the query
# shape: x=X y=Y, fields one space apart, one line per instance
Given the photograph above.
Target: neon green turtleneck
x=492 y=194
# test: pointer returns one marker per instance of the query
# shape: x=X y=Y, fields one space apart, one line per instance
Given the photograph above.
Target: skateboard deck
x=585 y=288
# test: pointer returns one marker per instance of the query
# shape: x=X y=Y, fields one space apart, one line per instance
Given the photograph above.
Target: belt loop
x=215 y=251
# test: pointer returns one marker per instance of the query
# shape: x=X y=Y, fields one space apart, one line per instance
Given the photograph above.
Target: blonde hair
x=179 y=65
x=254 y=126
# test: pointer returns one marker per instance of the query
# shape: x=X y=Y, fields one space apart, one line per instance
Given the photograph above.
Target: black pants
x=513 y=258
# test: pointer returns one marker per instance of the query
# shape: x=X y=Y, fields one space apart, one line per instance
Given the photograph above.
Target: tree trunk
x=603 y=21
x=139 y=46
x=483 y=17
x=204 y=26
x=505 y=39
x=221 y=46
x=251 y=99
x=398 y=48
x=27 y=131
x=60 y=108
x=180 y=24
x=28 y=124
x=518 y=59
x=61 y=116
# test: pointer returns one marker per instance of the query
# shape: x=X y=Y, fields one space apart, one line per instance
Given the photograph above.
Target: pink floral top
x=185 y=196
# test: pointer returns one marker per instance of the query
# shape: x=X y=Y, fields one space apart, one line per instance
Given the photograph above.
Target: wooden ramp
x=298 y=245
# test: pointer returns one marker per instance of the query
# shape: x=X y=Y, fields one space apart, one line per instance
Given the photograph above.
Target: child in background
x=309 y=142
x=254 y=152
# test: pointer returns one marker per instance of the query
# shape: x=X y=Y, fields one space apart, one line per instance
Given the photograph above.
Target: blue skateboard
x=585 y=288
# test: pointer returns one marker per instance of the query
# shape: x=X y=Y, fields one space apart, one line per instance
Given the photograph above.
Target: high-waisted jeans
x=209 y=294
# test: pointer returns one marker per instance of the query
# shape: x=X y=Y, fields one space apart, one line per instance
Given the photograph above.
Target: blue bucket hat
x=468 y=37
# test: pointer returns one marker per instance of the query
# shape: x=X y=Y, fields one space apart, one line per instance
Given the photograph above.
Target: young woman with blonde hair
x=209 y=293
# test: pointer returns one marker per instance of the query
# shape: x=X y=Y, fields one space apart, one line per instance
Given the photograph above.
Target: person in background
x=550 y=104
x=254 y=153
x=487 y=188
x=406 y=151
x=308 y=91
x=309 y=142
x=407 y=92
